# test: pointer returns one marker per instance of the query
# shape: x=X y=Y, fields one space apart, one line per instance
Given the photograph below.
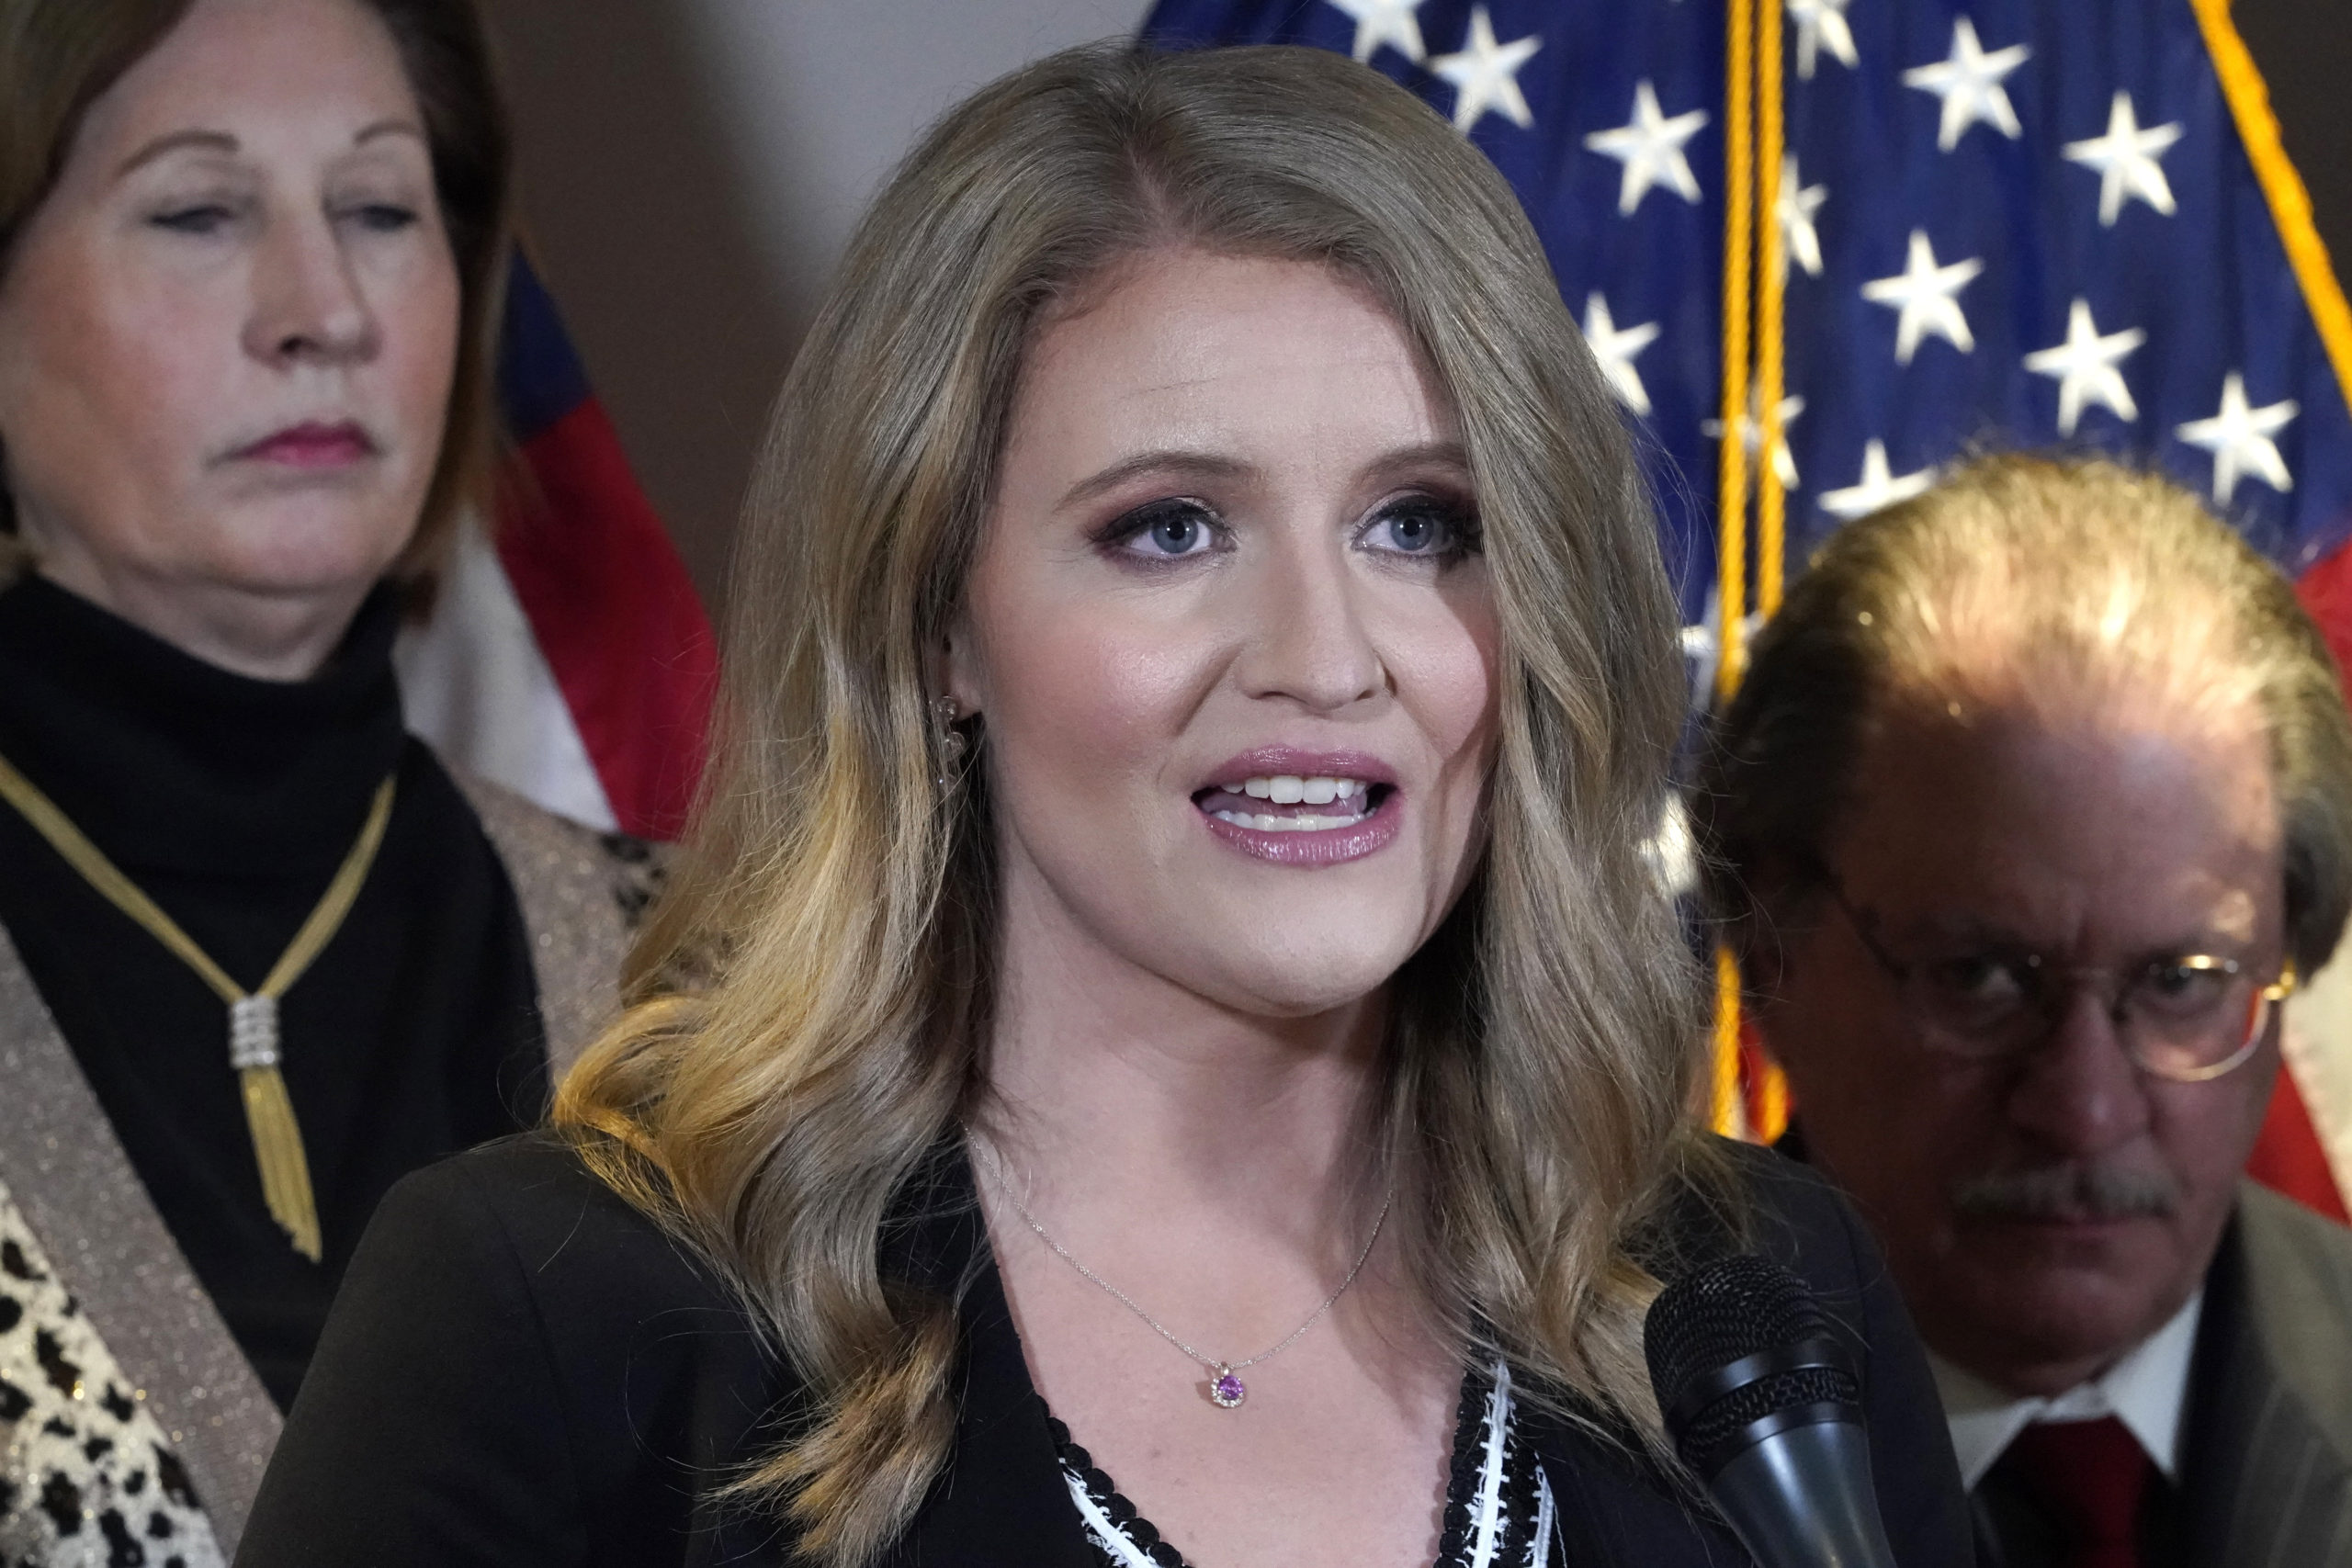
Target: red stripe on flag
x=2286 y=1155
x=2325 y=590
x=616 y=616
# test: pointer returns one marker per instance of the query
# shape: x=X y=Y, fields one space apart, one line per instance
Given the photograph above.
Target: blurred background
x=690 y=169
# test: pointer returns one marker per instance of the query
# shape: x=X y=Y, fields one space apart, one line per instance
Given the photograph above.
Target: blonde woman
x=1168 y=1049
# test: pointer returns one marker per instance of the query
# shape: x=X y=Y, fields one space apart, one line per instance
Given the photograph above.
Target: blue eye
x=1165 y=530
x=1423 y=528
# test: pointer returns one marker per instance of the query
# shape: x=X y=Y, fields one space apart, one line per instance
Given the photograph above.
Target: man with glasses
x=2034 y=803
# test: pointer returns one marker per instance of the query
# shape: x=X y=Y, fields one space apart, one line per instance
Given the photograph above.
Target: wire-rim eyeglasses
x=2178 y=1018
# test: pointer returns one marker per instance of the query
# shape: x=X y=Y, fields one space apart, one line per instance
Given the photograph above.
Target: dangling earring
x=944 y=712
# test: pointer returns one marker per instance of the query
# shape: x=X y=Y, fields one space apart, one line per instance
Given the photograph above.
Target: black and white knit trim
x=1497 y=1500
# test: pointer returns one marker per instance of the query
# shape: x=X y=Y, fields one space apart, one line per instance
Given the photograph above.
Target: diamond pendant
x=1225 y=1389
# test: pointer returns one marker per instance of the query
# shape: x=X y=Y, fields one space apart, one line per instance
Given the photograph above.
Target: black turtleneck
x=231 y=801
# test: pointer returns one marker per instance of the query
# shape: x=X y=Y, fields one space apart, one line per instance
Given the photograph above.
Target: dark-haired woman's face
x=227 y=337
x=1232 y=638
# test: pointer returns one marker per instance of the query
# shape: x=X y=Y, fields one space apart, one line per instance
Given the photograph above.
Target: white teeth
x=1301 y=823
x=1290 y=789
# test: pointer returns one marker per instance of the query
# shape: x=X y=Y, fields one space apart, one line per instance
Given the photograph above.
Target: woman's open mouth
x=1301 y=819
x=1284 y=802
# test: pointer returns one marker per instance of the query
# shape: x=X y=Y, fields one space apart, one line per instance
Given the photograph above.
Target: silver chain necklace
x=1226 y=1390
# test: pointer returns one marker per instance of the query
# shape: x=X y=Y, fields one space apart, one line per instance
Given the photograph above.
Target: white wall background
x=689 y=172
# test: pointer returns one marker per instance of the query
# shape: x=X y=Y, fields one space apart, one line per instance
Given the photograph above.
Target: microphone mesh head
x=1722 y=1312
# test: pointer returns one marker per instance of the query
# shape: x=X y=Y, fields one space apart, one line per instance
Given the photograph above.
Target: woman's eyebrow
x=210 y=141
x=1419 y=459
x=390 y=128
x=223 y=142
x=1191 y=465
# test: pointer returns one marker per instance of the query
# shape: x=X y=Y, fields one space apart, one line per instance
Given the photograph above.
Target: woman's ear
x=954 y=670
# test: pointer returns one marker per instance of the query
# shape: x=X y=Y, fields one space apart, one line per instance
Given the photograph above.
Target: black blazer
x=525 y=1369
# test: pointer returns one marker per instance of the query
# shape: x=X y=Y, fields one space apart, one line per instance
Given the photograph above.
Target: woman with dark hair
x=1165 y=1043
x=260 y=954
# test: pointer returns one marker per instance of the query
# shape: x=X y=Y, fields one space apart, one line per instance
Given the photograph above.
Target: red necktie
x=2091 y=1475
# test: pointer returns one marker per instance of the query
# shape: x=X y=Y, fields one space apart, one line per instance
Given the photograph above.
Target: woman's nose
x=1309 y=642
x=308 y=303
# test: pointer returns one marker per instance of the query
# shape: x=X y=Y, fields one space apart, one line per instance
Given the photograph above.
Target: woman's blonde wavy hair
x=811 y=1004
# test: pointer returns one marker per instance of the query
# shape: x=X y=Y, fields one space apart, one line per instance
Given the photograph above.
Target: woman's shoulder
x=1796 y=1216
x=529 y=1208
x=522 y=1366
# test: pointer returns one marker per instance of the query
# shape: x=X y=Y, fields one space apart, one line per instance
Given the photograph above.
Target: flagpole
x=1726 y=1112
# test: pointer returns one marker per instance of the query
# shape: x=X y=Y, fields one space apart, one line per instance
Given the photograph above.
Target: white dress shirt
x=2145 y=1389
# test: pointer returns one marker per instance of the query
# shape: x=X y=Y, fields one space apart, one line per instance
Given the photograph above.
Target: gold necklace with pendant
x=253 y=1051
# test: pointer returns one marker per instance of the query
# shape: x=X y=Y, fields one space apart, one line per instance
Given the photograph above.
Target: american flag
x=2000 y=223
x=567 y=656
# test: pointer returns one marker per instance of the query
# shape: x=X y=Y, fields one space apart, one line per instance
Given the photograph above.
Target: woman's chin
x=299 y=551
x=1298 y=980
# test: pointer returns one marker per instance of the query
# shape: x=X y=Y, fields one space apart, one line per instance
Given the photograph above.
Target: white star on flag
x=1651 y=149
x=1929 y=297
x=2126 y=161
x=1821 y=24
x=1386 y=21
x=1794 y=212
x=2239 y=439
x=1486 y=74
x=1969 y=82
x=1615 y=347
x=1751 y=432
x=2084 y=367
x=1703 y=645
x=1878 y=486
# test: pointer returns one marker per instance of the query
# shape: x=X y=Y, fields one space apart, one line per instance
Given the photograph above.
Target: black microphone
x=1764 y=1404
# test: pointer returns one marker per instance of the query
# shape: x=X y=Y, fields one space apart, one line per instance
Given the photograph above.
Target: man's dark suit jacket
x=2265 y=1475
x=525 y=1369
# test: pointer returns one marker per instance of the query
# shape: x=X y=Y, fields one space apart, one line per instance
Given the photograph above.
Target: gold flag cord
x=1755 y=274
x=1739 y=240
x=2282 y=187
x=1768 y=1110
x=253 y=1016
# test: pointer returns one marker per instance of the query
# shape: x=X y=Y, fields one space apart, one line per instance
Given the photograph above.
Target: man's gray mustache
x=2076 y=1190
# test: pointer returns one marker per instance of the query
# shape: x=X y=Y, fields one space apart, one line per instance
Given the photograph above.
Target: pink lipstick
x=312 y=445
x=1294 y=807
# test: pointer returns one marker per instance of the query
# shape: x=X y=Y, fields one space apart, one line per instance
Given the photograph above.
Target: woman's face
x=228 y=335
x=1232 y=636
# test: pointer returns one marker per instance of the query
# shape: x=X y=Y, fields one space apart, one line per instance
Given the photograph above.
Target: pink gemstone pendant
x=1225 y=1389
